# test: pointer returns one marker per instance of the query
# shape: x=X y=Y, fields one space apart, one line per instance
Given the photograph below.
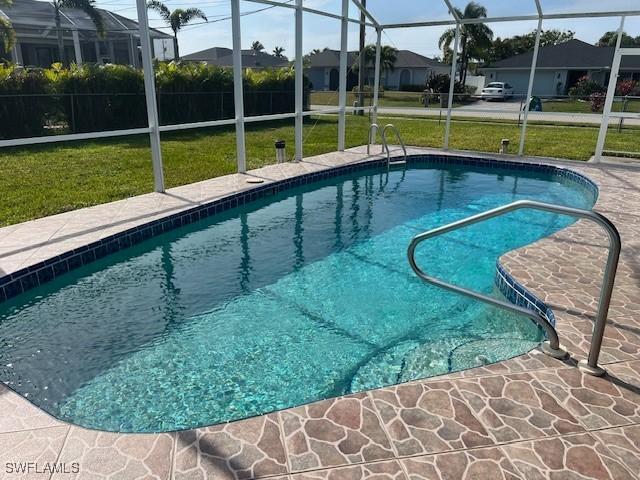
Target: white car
x=497 y=91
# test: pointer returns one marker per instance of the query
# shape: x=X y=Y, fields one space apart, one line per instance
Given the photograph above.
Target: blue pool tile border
x=30 y=277
x=517 y=294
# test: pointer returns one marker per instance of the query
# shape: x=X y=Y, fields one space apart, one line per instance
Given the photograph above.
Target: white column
x=611 y=90
x=452 y=82
x=16 y=54
x=376 y=80
x=112 y=51
x=532 y=74
x=76 y=46
x=238 y=94
x=150 y=96
x=299 y=82
x=133 y=52
x=342 y=88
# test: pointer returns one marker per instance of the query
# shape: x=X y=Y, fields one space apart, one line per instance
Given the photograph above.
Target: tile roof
x=574 y=54
x=405 y=59
x=223 y=57
x=33 y=13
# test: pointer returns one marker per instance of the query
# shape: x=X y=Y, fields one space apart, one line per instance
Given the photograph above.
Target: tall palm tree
x=388 y=57
x=475 y=39
x=7 y=34
x=278 y=52
x=176 y=19
x=88 y=7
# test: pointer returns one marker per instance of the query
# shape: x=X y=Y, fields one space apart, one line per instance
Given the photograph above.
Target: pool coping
x=268 y=447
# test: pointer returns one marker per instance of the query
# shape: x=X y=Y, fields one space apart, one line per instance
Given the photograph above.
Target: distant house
x=559 y=67
x=323 y=70
x=34 y=25
x=223 y=57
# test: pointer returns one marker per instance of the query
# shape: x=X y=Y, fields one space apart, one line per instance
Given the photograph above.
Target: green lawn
x=388 y=99
x=577 y=106
x=413 y=100
x=47 y=179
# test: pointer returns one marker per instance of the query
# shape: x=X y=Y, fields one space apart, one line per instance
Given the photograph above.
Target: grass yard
x=577 y=106
x=47 y=179
x=388 y=99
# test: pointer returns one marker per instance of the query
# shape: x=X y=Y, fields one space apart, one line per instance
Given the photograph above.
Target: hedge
x=23 y=107
x=111 y=97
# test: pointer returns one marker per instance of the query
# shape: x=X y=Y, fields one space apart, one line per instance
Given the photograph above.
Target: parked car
x=497 y=91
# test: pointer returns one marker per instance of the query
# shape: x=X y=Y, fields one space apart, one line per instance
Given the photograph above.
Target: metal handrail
x=398 y=137
x=553 y=347
x=373 y=128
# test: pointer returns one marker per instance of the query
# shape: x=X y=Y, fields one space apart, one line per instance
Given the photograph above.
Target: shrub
x=627 y=87
x=597 y=101
x=193 y=92
x=412 y=88
x=272 y=91
x=585 y=87
x=111 y=97
x=24 y=106
x=440 y=84
x=97 y=98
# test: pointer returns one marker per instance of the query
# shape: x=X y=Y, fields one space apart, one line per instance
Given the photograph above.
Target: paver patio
x=529 y=417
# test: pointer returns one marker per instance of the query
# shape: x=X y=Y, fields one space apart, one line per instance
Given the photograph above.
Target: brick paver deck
x=530 y=417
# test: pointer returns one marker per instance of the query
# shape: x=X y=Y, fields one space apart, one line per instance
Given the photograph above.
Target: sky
x=275 y=26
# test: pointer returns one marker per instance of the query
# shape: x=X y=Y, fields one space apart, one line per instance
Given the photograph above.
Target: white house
x=559 y=67
x=36 y=46
x=410 y=69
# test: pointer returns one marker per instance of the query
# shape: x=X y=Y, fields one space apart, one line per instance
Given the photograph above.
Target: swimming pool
x=297 y=297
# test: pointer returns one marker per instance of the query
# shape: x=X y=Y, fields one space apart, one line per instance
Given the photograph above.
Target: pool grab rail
x=373 y=129
x=552 y=345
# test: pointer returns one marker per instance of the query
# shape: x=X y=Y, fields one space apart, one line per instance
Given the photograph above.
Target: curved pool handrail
x=374 y=128
x=398 y=137
x=553 y=346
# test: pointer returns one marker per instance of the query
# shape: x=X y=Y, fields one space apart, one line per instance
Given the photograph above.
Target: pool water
x=302 y=296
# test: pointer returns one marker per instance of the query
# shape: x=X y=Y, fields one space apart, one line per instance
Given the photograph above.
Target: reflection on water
x=295 y=298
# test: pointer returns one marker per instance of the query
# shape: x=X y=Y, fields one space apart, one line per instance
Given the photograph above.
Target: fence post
x=299 y=82
x=342 y=84
x=532 y=74
x=376 y=80
x=73 y=114
x=452 y=82
x=150 y=96
x=238 y=91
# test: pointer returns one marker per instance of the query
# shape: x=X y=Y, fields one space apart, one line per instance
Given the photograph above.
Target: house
x=410 y=69
x=250 y=58
x=34 y=24
x=559 y=67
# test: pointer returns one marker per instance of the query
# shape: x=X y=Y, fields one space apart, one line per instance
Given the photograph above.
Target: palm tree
x=7 y=34
x=257 y=46
x=88 y=7
x=278 y=52
x=475 y=39
x=388 y=57
x=176 y=19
